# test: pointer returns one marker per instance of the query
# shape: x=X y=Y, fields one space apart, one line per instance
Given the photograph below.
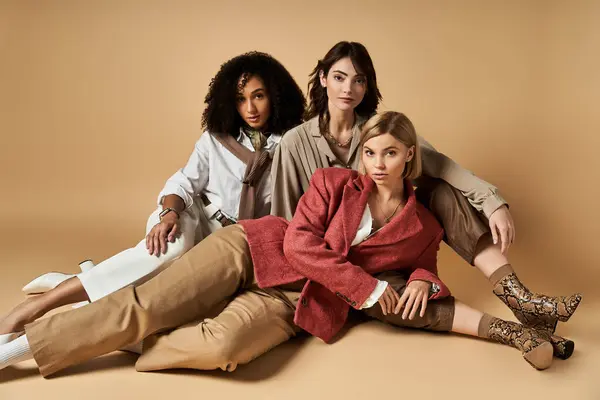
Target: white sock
x=14 y=352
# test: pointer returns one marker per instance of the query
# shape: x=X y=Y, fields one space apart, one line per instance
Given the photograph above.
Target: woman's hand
x=166 y=229
x=501 y=222
x=415 y=295
x=388 y=300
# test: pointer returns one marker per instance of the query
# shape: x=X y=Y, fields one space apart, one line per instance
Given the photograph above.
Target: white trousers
x=135 y=265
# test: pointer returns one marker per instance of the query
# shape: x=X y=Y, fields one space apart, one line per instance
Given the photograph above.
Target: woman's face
x=345 y=87
x=253 y=103
x=384 y=158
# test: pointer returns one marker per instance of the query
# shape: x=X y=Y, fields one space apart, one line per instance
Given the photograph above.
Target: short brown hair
x=399 y=126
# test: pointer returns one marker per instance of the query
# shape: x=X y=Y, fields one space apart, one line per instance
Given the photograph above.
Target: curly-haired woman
x=251 y=102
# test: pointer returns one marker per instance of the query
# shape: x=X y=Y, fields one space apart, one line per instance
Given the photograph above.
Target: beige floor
x=370 y=361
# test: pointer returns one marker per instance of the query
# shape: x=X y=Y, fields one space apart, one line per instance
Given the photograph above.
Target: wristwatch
x=166 y=211
x=435 y=288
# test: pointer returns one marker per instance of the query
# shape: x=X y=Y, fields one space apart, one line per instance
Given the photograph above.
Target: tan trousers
x=251 y=324
x=210 y=296
x=217 y=269
x=242 y=331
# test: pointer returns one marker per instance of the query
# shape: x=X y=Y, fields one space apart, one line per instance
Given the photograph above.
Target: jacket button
x=353 y=304
x=304 y=302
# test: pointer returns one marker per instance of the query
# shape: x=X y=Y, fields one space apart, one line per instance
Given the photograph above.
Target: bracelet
x=434 y=289
x=166 y=211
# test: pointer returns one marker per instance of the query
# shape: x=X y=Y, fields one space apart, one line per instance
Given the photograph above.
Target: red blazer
x=316 y=245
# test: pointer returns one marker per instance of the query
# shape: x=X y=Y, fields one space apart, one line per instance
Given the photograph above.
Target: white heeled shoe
x=86 y=265
x=9 y=337
x=50 y=280
x=46 y=282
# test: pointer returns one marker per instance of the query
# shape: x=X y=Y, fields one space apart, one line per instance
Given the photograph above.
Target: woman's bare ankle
x=8 y=325
x=23 y=314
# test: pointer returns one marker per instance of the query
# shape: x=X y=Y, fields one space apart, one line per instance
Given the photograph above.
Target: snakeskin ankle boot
x=534 y=310
x=536 y=350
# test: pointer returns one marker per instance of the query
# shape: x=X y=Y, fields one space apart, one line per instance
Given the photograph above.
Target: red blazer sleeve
x=307 y=252
x=425 y=268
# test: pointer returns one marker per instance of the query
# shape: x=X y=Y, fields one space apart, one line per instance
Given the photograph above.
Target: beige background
x=100 y=102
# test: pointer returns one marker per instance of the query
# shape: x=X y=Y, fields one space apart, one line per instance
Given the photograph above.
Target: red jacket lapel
x=354 y=200
x=402 y=226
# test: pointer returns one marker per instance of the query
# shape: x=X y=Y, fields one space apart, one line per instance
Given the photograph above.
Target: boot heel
x=540 y=357
x=86 y=265
x=534 y=345
x=563 y=348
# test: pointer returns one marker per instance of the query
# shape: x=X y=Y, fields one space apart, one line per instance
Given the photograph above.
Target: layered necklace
x=330 y=138
x=333 y=140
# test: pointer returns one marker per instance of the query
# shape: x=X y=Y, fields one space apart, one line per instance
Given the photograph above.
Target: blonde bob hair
x=399 y=126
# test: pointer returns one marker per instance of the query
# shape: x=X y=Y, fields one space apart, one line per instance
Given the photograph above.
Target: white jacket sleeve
x=193 y=177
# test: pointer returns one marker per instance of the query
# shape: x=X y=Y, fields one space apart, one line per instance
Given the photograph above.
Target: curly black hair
x=286 y=99
x=362 y=63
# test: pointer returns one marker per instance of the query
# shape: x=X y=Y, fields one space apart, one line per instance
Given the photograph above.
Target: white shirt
x=214 y=171
x=362 y=234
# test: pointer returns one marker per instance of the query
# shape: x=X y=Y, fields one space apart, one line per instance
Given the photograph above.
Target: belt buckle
x=222 y=218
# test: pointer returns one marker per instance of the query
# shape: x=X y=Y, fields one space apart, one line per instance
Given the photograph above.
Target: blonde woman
x=478 y=226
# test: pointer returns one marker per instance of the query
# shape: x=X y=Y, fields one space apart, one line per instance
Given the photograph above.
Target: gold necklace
x=387 y=219
x=335 y=141
x=325 y=128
